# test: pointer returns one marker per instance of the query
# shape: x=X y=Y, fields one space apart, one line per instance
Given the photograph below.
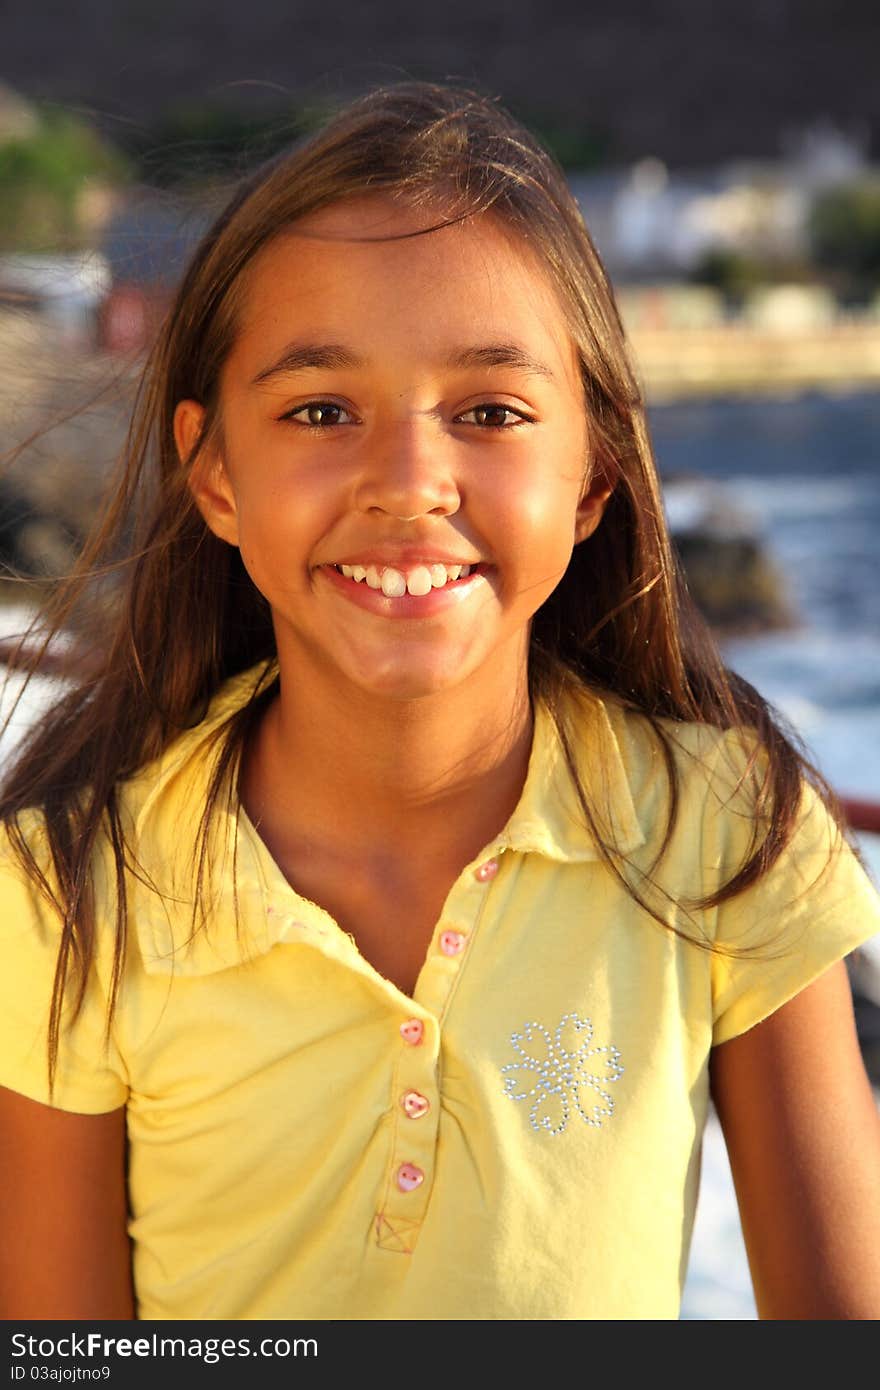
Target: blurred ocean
x=808 y=471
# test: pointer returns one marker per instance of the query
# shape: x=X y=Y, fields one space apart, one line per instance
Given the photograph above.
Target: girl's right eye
x=317 y=415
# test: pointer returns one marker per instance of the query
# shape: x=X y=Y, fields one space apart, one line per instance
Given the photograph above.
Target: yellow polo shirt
x=519 y=1140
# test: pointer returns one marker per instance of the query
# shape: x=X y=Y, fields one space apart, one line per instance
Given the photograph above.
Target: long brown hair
x=188 y=615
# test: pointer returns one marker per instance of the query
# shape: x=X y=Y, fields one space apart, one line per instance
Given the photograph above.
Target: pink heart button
x=451 y=943
x=412 y=1031
x=415 y=1104
x=409 y=1177
x=487 y=870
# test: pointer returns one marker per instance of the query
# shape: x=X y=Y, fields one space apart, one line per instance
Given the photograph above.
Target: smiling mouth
x=394 y=583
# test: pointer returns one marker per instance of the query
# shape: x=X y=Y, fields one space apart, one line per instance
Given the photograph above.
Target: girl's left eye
x=319 y=415
x=491 y=415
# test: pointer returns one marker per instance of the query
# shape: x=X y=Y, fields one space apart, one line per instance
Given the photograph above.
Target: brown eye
x=319 y=415
x=493 y=416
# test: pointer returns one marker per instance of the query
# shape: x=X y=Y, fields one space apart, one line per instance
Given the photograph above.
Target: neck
x=358 y=775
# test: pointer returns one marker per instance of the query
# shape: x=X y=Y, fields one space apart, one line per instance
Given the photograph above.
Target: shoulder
x=699 y=793
x=699 y=753
x=703 y=799
x=184 y=851
x=29 y=890
x=669 y=767
x=170 y=790
x=186 y=765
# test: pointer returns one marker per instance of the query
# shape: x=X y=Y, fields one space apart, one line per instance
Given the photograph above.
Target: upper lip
x=402 y=559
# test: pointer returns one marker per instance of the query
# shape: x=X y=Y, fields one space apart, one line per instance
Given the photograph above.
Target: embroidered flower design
x=562 y=1071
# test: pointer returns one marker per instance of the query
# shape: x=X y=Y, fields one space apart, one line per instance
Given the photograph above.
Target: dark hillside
x=687 y=80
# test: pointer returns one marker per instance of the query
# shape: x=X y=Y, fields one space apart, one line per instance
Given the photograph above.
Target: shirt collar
x=548 y=820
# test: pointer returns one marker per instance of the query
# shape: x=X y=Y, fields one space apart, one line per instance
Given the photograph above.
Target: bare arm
x=803 y=1134
x=64 y=1251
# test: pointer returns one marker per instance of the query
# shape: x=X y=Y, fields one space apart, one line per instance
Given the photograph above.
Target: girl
x=379 y=913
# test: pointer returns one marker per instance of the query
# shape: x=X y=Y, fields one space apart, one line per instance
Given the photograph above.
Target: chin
x=405 y=689
x=398 y=681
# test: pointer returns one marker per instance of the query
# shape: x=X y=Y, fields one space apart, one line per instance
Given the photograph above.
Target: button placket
x=418 y=1112
x=454 y=937
x=414 y=1146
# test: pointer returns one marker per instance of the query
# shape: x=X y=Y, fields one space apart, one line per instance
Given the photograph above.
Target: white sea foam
x=795 y=497
x=828 y=686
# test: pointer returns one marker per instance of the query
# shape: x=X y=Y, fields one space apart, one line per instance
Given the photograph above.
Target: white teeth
x=393 y=583
x=418 y=582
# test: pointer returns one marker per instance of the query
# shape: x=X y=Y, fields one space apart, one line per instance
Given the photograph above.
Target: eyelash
x=520 y=417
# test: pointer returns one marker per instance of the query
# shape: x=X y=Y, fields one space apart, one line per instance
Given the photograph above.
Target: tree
x=43 y=176
x=844 y=231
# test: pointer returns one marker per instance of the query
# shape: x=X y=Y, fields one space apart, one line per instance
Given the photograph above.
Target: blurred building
x=790 y=308
x=652 y=223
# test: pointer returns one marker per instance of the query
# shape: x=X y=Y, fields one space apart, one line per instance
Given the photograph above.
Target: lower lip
x=408 y=605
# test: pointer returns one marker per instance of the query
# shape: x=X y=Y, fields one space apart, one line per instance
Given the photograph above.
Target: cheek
x=264 y=577
x=267 y=547
x=268 y=513
x=541 y=517
x=278 y=533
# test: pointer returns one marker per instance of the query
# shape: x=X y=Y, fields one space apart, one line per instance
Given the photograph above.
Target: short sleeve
x=90 y=1076
x=813 y=907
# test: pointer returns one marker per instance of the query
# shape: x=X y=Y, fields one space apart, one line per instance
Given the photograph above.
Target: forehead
x=372 y=266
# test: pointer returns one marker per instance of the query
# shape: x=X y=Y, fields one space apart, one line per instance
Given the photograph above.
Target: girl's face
x=399 y=408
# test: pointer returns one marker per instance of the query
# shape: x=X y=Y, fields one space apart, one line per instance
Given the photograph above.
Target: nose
x=408 y=472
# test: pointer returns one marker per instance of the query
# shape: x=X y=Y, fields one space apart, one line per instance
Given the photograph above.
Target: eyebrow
x=501 y=355
x=298 y=357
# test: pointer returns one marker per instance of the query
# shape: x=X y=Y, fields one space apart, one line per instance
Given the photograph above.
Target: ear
x=591 y=507
x=208 y=480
